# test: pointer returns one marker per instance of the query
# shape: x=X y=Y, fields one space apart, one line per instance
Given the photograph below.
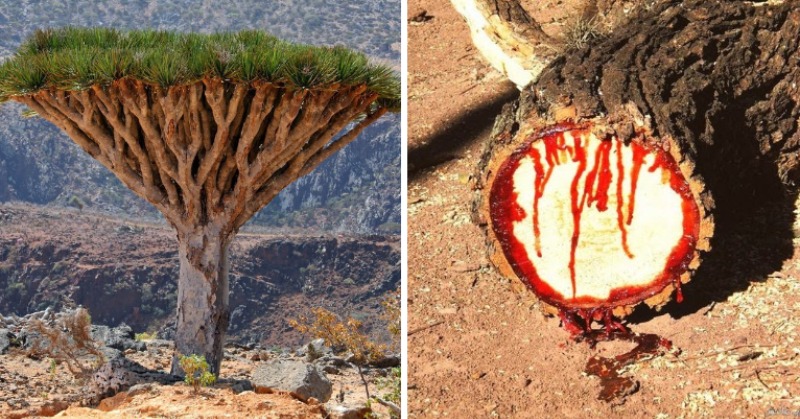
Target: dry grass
x=580 y=32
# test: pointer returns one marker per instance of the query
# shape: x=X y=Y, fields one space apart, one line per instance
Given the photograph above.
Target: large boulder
x=303 y=379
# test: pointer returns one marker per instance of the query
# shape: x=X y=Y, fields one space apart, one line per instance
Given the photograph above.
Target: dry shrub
x=347 y=336
x=68 y=340
x=391 y=315
x=344 y=335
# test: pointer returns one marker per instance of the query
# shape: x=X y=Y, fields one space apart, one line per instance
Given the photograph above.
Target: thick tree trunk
x=203 y=312
x=709 y=95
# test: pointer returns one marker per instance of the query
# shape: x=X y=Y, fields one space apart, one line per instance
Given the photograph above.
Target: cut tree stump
x=600 y=185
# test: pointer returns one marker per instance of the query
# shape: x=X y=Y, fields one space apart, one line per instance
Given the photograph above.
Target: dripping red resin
x=505 y=211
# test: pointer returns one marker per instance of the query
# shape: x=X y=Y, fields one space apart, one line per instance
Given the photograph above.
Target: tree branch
x=393 y=407
x=508 y=37
x=134 y=98
x=224 y=113
x=305 y=161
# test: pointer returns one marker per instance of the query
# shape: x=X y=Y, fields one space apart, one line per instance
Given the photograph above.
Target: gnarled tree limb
x=508 y=37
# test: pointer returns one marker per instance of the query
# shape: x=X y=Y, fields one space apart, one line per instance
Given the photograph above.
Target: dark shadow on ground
x=447 y=143
x=754 y=219
x=747 y=249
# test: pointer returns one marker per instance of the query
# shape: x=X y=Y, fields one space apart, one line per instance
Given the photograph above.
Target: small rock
x=337 y=362
x=120 y=337
x=264 y=355
x=319 y=348
x=17 y=403
x=330 y=369
x=159 y=343
x=239 y=386
x=119 y=375
x=388 y=361
x=345 y=412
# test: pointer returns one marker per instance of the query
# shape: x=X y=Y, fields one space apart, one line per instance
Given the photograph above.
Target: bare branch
x=393 y=407
x=305 y=162
x=508 y=37
x=110 y=110
x=157 y=140
x=224 y=113
x=342 y=141
x=134 y=97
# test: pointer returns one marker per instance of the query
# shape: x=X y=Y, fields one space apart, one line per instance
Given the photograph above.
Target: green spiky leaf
x=76 y=58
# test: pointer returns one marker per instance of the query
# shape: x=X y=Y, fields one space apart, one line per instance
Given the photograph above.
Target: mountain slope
x=124 y=270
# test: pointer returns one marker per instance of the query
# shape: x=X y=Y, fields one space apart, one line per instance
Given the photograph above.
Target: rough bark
x=715 y=85
x=720 y=80
x=508 y=37
x=203 y=313
x=208 y=155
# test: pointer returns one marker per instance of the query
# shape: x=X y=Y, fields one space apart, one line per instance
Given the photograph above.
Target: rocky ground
x=124 y=270
x=478 y=347
x=255 y=382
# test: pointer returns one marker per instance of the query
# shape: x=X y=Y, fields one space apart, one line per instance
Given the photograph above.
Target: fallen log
x=600 y=186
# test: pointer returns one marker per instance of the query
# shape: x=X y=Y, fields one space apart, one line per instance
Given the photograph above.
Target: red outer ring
x=504 y=211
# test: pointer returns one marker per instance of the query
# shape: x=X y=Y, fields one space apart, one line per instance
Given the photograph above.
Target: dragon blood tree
x=207 y=128
x=603 y=184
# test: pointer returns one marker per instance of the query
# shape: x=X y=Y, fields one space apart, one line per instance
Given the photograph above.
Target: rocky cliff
x=126 y=271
